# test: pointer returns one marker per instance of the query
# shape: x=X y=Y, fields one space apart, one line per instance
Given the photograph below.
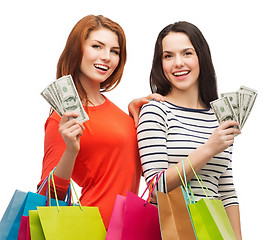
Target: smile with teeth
x=102 y=67
x=180 y=73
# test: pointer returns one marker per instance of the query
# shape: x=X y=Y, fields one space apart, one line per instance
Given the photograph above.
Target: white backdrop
x=33 y=35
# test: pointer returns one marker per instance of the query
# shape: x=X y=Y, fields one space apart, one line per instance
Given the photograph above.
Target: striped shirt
x=168 y=133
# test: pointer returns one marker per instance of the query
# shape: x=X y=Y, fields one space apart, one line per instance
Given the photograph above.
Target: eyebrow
x=184 y=50
x=104 y=44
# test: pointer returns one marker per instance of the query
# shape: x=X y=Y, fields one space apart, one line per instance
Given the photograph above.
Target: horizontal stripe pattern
x=168 y=133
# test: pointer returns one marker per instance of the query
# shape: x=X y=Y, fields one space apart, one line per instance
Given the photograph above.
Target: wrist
x=71 y=153
x=207 y=150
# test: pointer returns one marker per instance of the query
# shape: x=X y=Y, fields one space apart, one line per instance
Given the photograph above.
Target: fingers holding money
x=231 y=129
x=231 y=125
x=222 y=137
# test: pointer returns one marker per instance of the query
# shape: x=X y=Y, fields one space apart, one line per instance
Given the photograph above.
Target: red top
x=108 y=162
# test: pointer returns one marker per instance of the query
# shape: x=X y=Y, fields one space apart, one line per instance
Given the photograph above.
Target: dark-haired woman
x=184 y=127
x=101 y=155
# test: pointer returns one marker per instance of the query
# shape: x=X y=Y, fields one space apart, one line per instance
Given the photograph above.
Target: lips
x=101 y=67
x=181 y=73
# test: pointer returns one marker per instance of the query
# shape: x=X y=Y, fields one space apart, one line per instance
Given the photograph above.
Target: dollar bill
x=241 y=102
x=249 y=97
x=233 y=97
x=223 y=110
x=63 y=97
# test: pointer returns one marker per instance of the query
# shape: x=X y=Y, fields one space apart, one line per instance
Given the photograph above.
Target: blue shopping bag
x=10 y=223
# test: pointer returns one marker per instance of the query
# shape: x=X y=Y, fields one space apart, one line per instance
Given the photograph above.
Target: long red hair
x=71 y=57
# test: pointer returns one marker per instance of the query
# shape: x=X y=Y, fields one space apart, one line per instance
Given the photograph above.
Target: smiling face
x=100 y=56
x=180 y=62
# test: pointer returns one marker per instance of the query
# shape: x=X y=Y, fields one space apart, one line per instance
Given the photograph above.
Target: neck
x=185 y=99
x=94 y=95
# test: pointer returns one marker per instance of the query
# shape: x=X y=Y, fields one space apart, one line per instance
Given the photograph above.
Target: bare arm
x=234 y=217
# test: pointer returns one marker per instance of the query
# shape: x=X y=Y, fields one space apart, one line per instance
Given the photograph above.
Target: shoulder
x=117 y=114
x=53 y=120
x=154 y=107
x=154 y=112
x=55 y=116
x=115 y=110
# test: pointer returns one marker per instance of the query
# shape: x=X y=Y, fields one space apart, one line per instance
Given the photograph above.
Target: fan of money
x=63 y=97
x=235 y=105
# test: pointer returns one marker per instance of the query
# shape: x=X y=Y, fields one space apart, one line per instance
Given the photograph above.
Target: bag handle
x=68 y=194
x=55 y=193
x=42 y=185
x=184 y=184
x=67 y=197
x=202 y=184
x=158 y=175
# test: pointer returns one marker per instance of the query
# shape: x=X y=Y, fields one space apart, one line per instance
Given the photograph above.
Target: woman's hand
x=71 y=131
x=136 y=104
x=222 y=137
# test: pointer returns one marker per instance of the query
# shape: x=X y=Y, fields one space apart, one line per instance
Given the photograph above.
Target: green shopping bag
x=35 y=226
x=70 y=222
x=209 y=217
x=210 y=220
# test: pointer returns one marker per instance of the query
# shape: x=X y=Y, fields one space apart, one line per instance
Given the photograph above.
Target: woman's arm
x=152 y=138
x=59 y=152
x=71 y=131
x=234 y=217
x=221 y=139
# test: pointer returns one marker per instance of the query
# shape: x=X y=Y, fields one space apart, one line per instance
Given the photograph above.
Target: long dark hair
x=207 y=77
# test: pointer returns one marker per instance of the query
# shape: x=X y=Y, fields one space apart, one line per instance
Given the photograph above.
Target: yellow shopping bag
x=71 y=222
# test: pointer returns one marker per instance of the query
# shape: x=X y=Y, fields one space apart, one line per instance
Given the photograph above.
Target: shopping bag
x=175 y=222
x=210 y=220
x=134 y=218
x=36 y=230
x=209 y=216
x=71 y=222
x=116 y=222
x=174 y=216
x=24 y=231
x=10 y=223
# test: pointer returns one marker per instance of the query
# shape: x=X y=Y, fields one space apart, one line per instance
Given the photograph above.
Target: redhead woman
x=101 y=155
x=184 y=127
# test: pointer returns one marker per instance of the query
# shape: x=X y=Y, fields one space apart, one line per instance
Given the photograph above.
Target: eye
x=115 y=52
x=96 y=46
x=188 y=53
x=167 y=56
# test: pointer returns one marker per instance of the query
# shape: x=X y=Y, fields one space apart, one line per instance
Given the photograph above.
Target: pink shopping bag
x=134 y=218
x=24 y=231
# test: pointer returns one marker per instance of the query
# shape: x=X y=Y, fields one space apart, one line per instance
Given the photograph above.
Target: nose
x=105 y=55
x=179 y=61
